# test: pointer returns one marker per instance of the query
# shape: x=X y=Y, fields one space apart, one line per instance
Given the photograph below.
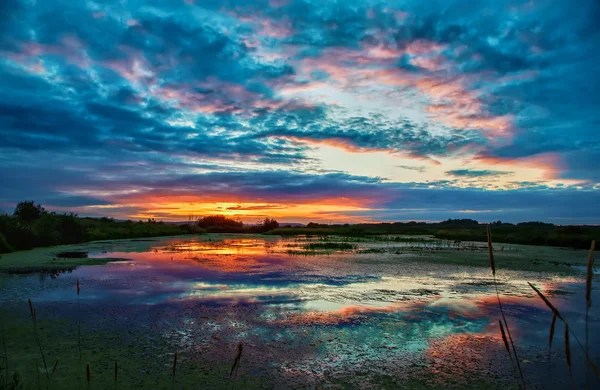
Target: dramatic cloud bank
x=302 y=110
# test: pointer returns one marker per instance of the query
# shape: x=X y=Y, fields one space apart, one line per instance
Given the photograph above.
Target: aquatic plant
x=174 y=368
x=493 y=266
x=37 y=337
x=568 y=331
x=78 y=321
x=588 y=302
x=329 y=245
x=236 y=364
x=88 y=373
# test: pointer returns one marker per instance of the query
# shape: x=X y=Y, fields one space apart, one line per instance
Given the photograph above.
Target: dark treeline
x=31 y=226
x=526 y=233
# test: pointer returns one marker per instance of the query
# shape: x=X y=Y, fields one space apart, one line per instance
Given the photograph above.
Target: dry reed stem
x=55 y=365
x=551 y=336
x=175 y=363
x=174 y=368
x=88 y=372
x=547 y=302
x=504 y=339
x=567 y=347
x=36 y=337
x=588 y=301
x=491 y=250
x=567 y=329
x=493 y=266
x=236 y=363
x=116 y=372
x=238 y=357
x=590 y=274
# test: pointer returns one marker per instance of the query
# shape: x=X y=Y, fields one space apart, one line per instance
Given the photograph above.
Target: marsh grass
x=493 y=267
x=588 y=302
x=568 y=333
x=236 y=365
x=88 y=374
x=79 y=320
x=36 y=337
x=329 y=246
x=174 y=369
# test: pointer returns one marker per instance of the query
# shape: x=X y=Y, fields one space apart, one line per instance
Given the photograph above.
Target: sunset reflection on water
x=335 y=310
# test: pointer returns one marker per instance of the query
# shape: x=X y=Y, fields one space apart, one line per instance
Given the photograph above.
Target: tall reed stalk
x=588 y=303
x=78 y=320
x=236 y=364
x=5 y=353
x=37 y=339
x=88 y=372
x=568 y=330
x=174 y=369
x=493 y=266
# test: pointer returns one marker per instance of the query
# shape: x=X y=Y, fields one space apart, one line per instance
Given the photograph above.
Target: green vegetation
x=526 y=233
x=329 y=246
x=222 y=224
x=32 y=226
x=47 y=259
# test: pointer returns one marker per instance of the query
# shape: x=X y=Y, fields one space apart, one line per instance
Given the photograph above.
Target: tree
x=269 y=224
x=28 y=211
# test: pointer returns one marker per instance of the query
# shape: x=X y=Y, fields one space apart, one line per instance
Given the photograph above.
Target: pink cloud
x=551 y=163
x=223 y=97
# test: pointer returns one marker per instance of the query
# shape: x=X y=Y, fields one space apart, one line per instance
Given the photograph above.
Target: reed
x=550 y=338
x=5 y=351
x=116 y=373
x=547 y=302
x=88 y=373
x=236 y=364
x=174 y=368
x=552 y=326
x=79 y=321
x=36 y=337
x=493 y=266
x=568 y=354
x=505 y=340
x=568 y=331
x=55 y=366
x=588 y=302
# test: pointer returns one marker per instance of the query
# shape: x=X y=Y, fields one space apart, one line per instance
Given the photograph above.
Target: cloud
x=213 y=99
x=477 y=173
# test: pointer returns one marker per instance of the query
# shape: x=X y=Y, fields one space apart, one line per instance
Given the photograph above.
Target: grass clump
x=315 y=246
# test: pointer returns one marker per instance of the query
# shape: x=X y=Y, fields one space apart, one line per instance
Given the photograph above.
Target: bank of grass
x=335 y=246
x=101 y=349
x=528 y=233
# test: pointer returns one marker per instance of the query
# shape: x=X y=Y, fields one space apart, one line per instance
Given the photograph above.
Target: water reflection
x=307 y=315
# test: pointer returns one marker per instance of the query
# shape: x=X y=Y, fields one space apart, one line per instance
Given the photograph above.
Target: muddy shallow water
x=327 y=319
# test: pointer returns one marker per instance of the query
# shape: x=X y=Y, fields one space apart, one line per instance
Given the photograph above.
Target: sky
x=327 y=111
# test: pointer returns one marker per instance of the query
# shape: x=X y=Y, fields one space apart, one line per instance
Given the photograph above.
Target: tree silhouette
x=28 y=211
